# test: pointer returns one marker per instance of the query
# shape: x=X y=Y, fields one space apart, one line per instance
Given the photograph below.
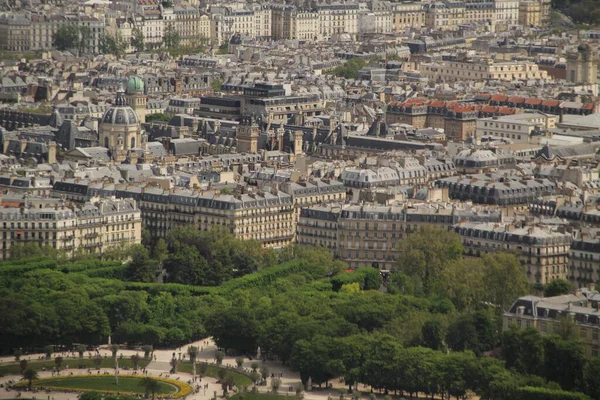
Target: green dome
x=135 y=85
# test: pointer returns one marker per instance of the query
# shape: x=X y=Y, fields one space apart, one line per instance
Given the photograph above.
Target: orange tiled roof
x=437 y=103
x=499 y=97
x=533 y=101
x=550 y=103
x=516 y=99
x=507 y=110
x=489 y=109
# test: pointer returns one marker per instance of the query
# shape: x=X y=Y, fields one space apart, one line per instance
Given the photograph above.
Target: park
x=295 y=323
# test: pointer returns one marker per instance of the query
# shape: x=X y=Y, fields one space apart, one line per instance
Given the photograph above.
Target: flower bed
x=53 y=383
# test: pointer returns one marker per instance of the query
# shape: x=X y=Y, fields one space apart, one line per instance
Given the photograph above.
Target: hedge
x=538 y=393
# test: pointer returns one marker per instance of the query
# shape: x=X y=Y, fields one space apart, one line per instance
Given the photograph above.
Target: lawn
x=14 y=368
x=239 y=379
x=102 y=383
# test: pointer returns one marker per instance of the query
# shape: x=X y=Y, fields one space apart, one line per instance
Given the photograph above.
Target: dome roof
x=135 y=85
x=120 y=113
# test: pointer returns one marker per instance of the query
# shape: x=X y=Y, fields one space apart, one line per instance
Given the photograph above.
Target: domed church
x=120 y=129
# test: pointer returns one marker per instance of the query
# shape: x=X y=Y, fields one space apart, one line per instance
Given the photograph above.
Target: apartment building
x=370 y=235
x=94 y=226
x=584 y=258
x=262 y=21
x=546 y=315
x=481 y=70
x=480 y=11
x=408 y=15
x=507 y=13
x=267 y=216
x=518 y=128
x=20 y=32
x=338 y=18
x=530 y=13
x=503 y=189
x=444 y=15
x=192 y=25
x=543 y=251
x=15 y=32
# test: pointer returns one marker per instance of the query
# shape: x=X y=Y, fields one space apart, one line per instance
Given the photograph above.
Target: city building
x=92 y=228
x=542 y=250
x=547 y=315
x=473 y=70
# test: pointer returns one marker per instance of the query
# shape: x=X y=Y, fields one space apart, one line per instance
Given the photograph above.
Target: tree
x=187 y=266
x=114 y=348
x=239 y=361
x=475 y=331
x=148 y=349
x=216 y=85
x=193 y=353
x=255 y=376
x=114 y=45
x=48 y=350
x=58 y=361
x=66 y=37
x=426 y=252
x=152 y=118
x=462 y=281
x=505 y=279
x=264 y=371
x=171 y=38
x=591 y=383
x=137 y=40
x=151 y=386
x=135 y=360
x=85 y=34
x=92 y=396
x=254 y=365
x=432 y=334
x=141 y=268
x=160 y=251
x=30 y=375
x=275 y=384
x=566 y=327
x=556 y=287
x=81 y=350
x=98 y=361
x=523 y=350
x=350 y=69
x=564 y=362
x=219 y=355
x=18 y=353
x=174 y=364
x=23 y=365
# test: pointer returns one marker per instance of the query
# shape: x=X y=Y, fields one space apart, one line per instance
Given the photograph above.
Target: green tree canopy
x=426 y=252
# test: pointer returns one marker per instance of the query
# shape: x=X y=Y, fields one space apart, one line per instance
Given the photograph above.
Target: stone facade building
x=93 y=227
x=543 y=251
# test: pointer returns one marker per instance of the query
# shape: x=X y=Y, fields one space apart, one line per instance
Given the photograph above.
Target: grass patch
x=239 y=379
x=129 y=385
x=73 y=363
x=102 y=383
x=258 y=396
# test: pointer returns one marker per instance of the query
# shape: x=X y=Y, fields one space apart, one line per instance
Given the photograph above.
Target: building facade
x=93 y=227
x=543 y=251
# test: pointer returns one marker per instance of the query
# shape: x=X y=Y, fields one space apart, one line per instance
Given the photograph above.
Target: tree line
x=430 y=327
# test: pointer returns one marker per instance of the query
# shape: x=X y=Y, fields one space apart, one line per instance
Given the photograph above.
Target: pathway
x=162 y=366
